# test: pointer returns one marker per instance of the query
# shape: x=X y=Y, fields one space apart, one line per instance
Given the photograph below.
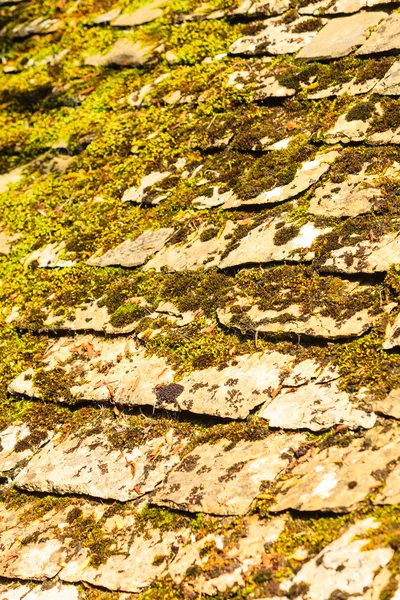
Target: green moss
x=361 y=111
x=127 y=313
x=285 y=234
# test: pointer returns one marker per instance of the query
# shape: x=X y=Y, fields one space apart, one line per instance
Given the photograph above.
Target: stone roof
x=199 y=313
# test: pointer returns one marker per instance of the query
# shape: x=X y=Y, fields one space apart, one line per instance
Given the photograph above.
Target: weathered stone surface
x=271 y=88
x=345 y=568
x=351 y=88
x=105 y=370
x=37 y=27
x=49 y=257
x=138 y=559
x=259 y=247
x=7 y=241
x=235 y=390
x=315 y=406
x=337 y=479
x=392 y=335
x=261 y=8
x=365 y=256
x=145 y=14
x=138 y=96
x=216 y=199
x=389 y=85
x=106 y=18
x=308 y=174
x=194 y=253
x=36 y=548
x=214 y=480
x=55 y=591
x=244 y=314
x=278 y=37
x=18 y=444
x=346 y=131
x=241 y=557
x=386 y=37
x=133 y=253
x=7 y=179
x=390 y=405
x=341 y=36
x=138 y=194
x=86 y=463
x=354 y=196
x=339 y=7
x=123 y=53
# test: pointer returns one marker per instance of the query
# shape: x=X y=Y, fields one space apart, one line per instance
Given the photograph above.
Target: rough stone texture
x=86 y=463
x=194 y=253
x=346 y=131
x=354 y=196
x=241 y=558
x=7 y=241
x=138 y=194
x=258 y=246
x=109 y=370
x=133 y=253
x=216 y=199
x=146 y=14
x=338 y=7
x=338 y=479
x=18 y=444
x=386 y=37
x=34 y=549
x=344 y=567
x=106 y=18
x=123 y=53
x=134 y=565
x=271 y=88
x=365 y=256
x=351 y=88
x=7 y=179
x=278 y=37
x=39 y=26
x=389 y=85
x=220 y=480
x=261 y=7
x=392 y=335
x=341 y=36
x=390 y=405
x=315 y=406
x=55 y=591
x=49 y=257
x=308 y=174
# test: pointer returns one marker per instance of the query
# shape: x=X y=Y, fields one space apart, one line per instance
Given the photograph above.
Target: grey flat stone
x=86 y=463
x=138 y=194
x=392 y=335
x=354 y=196
x=271 y=88
x=136 y=98
x=389 y=85
x=112 y=370
x=244 y=314
x=239 y=559
x=123 y=53
x=145 y=14
x=133 y=253
x=346 y=131
x=138 y=560
x=35 y=549
x=390 y=494
x=106 y=18
x=338 y=479
x=340 y=7
x=232 y=392
x=18 y=444
x=341 y=36
x=277 y=38
x=11 y=178
x=365 y=256
x=49 y=257
x=345 y=567
x=259 y=247
x=390 y=406
x=220 y=480
x=262 y=8
x=56 y=591
x=194 y=253
x=351 y=88
x=316 y=407
x=39 y=26
x=385 y=38
x=217 y=198
x=307 y=174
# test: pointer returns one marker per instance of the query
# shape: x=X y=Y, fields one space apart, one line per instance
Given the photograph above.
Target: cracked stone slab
x=194 y=253
x=390 y=494
x=392 y=335
x=37 y=548
x=261 y=8
x=389 y=85
x=341 y=36
x=124 y=53
x=39 y=26
x=385 y=38
x=145 y=14
x=347 y=131
x=133 y=253
x=232 y=392
x=217 y=198
x=390 y=405
x=270 y=87
x=138 y=195
x=258 y=246
x=54 y=591
x=316 y=406
x=7 y=241
x=306 y=175
x=345 y=567
x=105 y=370
x=351 y=88
x=340 y=7
x=365 y=257
x=277 y=38
x=52 y=256
x=107 y=17
x=18 y=444
x=138 y=559
x=86 y=463
x=221 y=480
x=244 y=314
x=337 y=479
x=241 y=557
